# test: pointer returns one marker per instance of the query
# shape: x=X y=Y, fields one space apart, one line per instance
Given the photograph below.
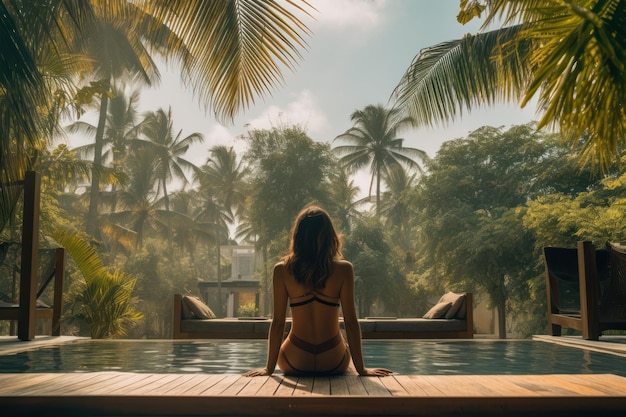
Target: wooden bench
x=371 y=328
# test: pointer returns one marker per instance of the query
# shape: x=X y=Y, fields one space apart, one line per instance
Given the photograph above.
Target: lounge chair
x=586 y=289
x=26 y=311
x=52 y=267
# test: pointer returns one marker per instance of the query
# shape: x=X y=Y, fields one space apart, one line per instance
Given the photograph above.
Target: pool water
x=233 y=357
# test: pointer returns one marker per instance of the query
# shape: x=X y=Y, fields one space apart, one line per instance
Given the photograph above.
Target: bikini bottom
x=316 y=350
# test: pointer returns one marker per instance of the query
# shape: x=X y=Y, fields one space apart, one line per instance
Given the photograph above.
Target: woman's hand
x=258 y=372
x=375 y=372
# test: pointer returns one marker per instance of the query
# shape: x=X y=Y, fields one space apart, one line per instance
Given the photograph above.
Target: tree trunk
x=220 y=312
x=91 y=223
x=501 y=319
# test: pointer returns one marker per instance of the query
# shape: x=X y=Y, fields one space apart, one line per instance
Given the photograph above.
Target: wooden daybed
x=371 y=328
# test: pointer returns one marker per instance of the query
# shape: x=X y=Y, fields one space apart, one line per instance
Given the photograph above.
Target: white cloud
x=349 y=13
x=302 y=111
x=217 y=135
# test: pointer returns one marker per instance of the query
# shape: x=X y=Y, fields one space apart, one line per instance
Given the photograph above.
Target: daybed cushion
x=438 y=311
x=193 y=307
x=457 y=304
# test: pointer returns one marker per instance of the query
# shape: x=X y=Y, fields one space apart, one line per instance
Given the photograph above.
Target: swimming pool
x=236 y=356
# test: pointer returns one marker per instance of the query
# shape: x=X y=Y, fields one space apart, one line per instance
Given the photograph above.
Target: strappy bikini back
x=313 y=297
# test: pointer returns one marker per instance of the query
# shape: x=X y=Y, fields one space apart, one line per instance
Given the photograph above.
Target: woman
x=315 y=281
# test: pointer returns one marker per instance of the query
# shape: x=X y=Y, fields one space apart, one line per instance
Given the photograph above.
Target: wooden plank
x=321 y=386
x=112 y=393
x=204 y=384
x=69 y=383
x=393 y=385
x=355 y=386
x=271 y=385
x=108 y=384
x=216 y=389
x=548 y=385
x=15 y=384
x=174 y=381
x=506 y=385
x=339 y=386
x=286 y=387
x=236 y=386
x=252 y=388
x=154 y=386
x=459 y=385
x=185 y=383
x=617 y=384
x=374 y=387
x=582 y=385
x=304 y=387
x=411 y=386
x=134 y=384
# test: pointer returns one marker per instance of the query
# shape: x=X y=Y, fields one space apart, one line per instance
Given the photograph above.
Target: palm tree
x=120 y=131
x=396 y=204
x=372 y=142
x=229 y=53
x=569 y=55
x=118 y=51
x=138 y=208
x=168 y=148
x=34 y=88
x=221 y=180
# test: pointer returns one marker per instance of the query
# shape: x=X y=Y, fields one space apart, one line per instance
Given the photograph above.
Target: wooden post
x=589 y=290
x=30 y=246
x=552 y=293
x=59 y=277
x=177 y=316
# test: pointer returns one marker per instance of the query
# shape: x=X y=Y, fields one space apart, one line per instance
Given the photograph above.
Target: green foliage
x=471 y=232
x=158 y=278
x=567 y=55
x=105 y=302
x=288 y=171
x=378 y=279
x=102 y=299
x=373 y=143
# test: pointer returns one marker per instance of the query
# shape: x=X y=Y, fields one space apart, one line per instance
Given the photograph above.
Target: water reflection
x=229 y=356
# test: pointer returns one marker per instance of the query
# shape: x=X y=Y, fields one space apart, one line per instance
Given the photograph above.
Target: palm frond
x=236 y=45
x=449 y=78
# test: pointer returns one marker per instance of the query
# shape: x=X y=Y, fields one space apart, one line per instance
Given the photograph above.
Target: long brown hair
x=314 y=246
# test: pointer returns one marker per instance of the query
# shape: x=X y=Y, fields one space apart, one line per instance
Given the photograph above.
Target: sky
x=356 y=55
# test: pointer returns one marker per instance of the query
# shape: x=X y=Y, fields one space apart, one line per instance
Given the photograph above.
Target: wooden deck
x=135 y=394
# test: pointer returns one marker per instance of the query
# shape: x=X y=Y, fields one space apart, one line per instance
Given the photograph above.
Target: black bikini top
x=311 y=298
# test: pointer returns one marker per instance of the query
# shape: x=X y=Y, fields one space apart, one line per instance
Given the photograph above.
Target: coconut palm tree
x=221 y=180
x=168 y=147
x=35 y=86
x=396 y=203
x=372 y=142
x=230 y=52
x=567 y=55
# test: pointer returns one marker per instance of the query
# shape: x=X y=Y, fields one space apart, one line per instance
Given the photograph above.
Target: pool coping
x=614 y=345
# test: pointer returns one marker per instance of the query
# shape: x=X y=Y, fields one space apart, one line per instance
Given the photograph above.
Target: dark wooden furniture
x=27 y=311
x=586 y=289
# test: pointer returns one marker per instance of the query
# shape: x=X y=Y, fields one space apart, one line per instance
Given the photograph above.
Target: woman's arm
x=353 y=330
x=277 y=327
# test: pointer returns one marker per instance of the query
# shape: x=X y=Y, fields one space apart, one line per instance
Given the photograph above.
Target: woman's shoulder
x=280 y=266
x=342 y=265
